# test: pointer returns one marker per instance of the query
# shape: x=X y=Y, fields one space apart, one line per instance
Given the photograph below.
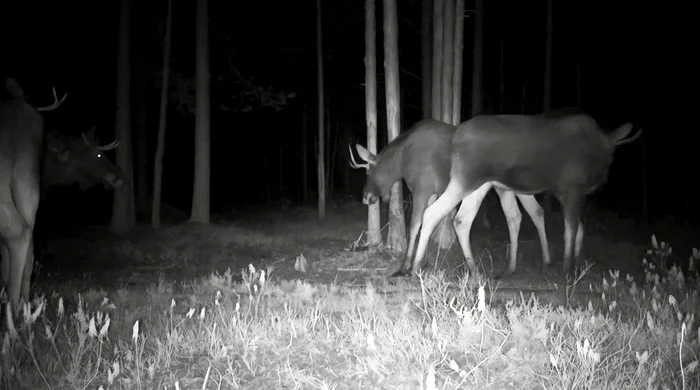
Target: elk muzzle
x=369 y=198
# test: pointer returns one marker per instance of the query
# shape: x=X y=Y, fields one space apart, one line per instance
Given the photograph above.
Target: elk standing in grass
x=28 y=163
x=421 y=157
x=565 y=152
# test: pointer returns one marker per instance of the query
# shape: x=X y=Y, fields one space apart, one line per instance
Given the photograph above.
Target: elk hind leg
x=514 y=218
x=573 y=204
x=5 y=264
x=464 y=219
x=536 y=213
x=453 y=194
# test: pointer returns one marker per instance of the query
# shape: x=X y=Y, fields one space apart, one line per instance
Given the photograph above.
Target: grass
x=227 y=324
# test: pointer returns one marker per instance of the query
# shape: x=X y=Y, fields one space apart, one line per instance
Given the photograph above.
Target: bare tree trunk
x=162 y=119
x=374 y=237
x=141 y=134
x=202 y=172
x=426 y=54
x=396 y=239
x=304 y=154
x=447 y=58
x=477 y=79
x=578 y=84
x=443 y=234
x=547 y=104
x=502 y=77
x=281 y=165
x=548 y=62
x=458 y=63
x=436 y=104
x=123 y=213
x=321 y=169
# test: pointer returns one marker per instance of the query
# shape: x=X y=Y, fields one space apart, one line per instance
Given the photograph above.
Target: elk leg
x=420 y=202
x=464 y=219
x=579 y=240
x=5 y=264
x=18 y=247
x=572 y=220
x=453 y=194
x=28 y=268
x=535 y=211
x=513 y=218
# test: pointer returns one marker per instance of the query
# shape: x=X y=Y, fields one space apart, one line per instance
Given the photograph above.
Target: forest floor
x=343 y=323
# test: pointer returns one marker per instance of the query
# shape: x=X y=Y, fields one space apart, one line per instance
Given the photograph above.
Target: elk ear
x=366 y=154
x=13 y=88
x=90 y=135
x=621 y=132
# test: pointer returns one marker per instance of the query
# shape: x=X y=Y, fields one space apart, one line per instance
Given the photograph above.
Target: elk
x=420 y=156
x=21 y=139
x=565 y=152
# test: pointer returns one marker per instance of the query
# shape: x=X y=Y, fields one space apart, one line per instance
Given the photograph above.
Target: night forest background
x=620 y=61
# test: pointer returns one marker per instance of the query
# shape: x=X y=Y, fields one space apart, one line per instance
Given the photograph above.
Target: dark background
x=636 y=64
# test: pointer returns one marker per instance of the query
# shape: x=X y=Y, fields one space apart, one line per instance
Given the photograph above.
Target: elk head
x=81 y=160
x=376 y=185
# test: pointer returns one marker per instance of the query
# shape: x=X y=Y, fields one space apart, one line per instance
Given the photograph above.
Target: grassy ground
x=223 y=306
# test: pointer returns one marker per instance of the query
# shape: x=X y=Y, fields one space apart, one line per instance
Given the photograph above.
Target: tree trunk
x=141 y=135
x=162 y=119
x=447 y=58
x=477 y=83
x=202 y=151
x=458 y=63
x=436 y=103
x=281 y=165
x=304 y=154
x=396 y=239
x=547 y=104
x=321 y=169
x=123 y=213
x=426 y=55
x=502 y=79
x=374 y=236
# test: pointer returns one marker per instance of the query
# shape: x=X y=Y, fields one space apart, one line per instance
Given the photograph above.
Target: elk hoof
x=400 y=272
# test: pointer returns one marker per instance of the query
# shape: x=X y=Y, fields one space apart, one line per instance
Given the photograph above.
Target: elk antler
x=104 y=148
x=628 y=140
x=55 y=104
x=354 y=164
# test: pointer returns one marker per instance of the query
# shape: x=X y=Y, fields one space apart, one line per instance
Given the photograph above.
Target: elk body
x=565 y=152
x=421 y=156
x=29 y=163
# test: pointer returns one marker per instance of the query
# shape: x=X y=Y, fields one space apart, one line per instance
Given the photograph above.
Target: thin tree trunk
x=141 y=135
x=202 y=172
x=477 y=79
x=436 y=104
x=123 y=213
x=477 y=72
x=304 y=154
x=396 y=239
x=547 y=104
x=426 y=55
x=447 y=60
x=578 y=84
x=162 y=119
x=321 y=169
x=502 y=79
x=374 y=237
x=281 y=165
x=458 y=63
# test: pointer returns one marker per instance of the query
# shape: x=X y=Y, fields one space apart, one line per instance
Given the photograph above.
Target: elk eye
x=99 y=155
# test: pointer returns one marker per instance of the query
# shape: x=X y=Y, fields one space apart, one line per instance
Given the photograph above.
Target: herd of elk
x=31 y=161
x=565 y=152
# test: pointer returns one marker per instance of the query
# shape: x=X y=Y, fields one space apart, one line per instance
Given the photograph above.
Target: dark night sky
x=634 y=59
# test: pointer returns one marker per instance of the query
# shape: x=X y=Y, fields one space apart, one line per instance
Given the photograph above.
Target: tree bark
x=123 y=213
x=426 y=55
x=162 y=119
x=202 y=151
x=321 y=169
x=436 y=103
x=477 y=79
x=447 y=60
x=547 y=104
x=458 y=63
x=374 y=236
x=396 y=240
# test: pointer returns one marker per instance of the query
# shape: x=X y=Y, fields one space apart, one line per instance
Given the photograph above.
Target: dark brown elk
x=21 y=139
x=420 y=156
x=26 y=171
x=564 y=152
